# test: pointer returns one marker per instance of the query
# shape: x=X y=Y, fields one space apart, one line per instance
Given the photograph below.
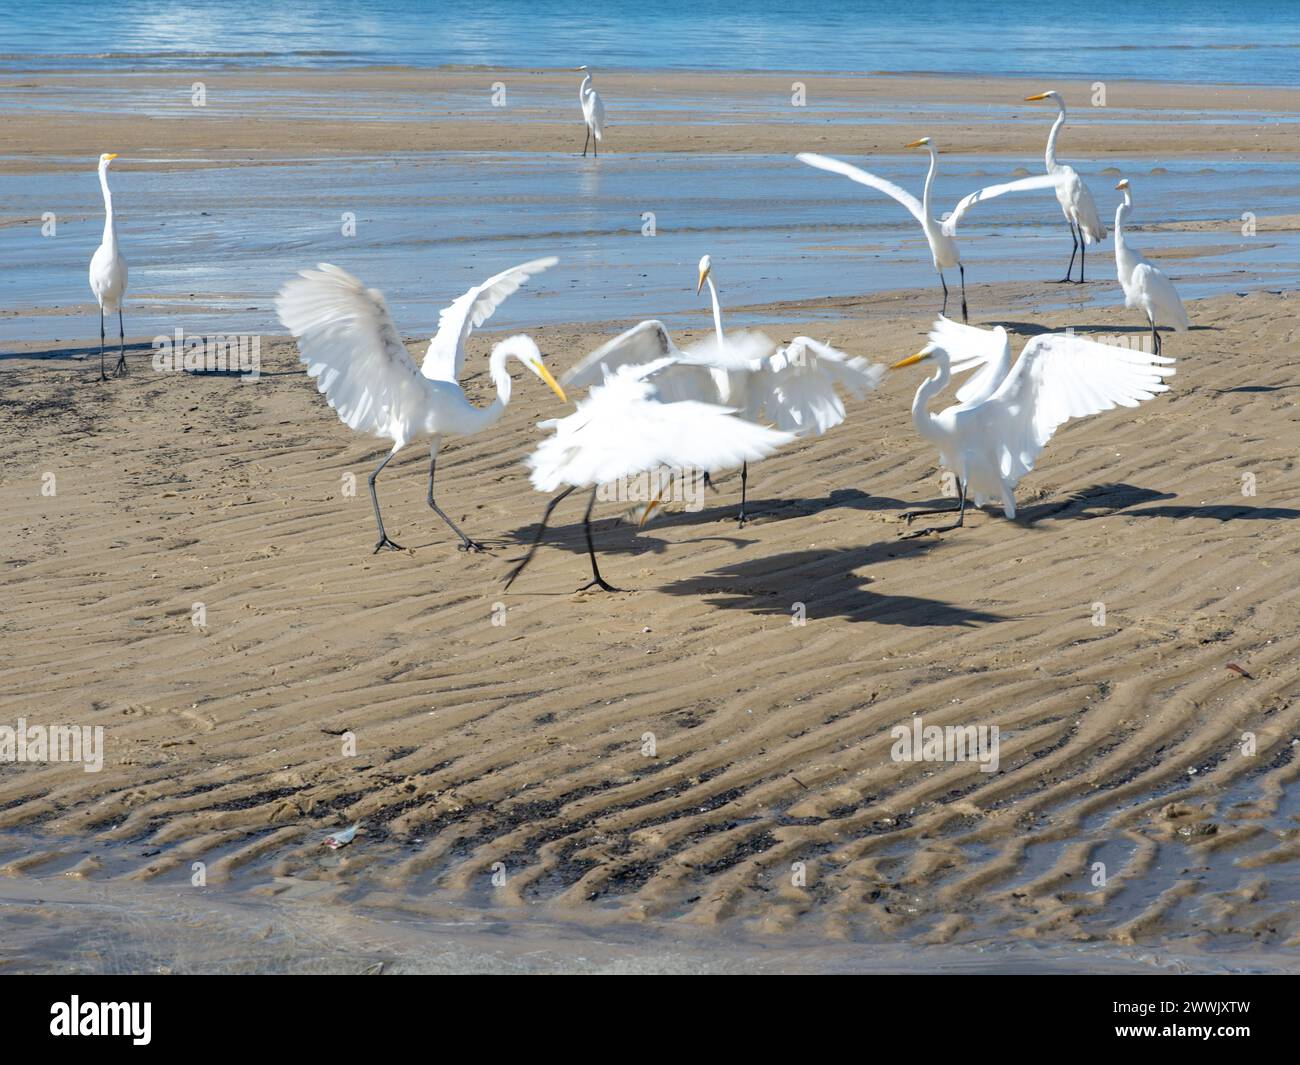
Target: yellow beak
x=911 y=360
x=703 y=275
x=1036 y=96
x=915 y=144
x=1123 y=184
x=545 y=375
x=111 y=155
x=650 y=509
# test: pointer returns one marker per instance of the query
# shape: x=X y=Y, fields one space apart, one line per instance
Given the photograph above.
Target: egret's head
x=923 y=355
x=706 y=268
x=584 y=69
x=1050 y=94
x=1122 y=185
x=106 y=159
x=924 y=142
x=525 y=349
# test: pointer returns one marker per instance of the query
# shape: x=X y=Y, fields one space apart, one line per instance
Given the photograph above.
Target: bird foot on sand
x=383 y=542
x=470 y=545
x=599 y=583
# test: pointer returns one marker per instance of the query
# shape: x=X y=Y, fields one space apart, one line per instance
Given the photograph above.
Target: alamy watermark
x=53 y=743
x=238 y=353
x=946 y=743
x=657 y=486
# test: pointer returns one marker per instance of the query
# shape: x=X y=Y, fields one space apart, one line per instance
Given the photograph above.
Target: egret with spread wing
x=940 y=234
x=1145 y=286
x=108 y=273
x=1076 y=201
x=351 y=347
x=624 y=429
x=593 y=113
x=993 y=437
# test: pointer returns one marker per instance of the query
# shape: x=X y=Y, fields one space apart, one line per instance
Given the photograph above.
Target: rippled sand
x=522 y=743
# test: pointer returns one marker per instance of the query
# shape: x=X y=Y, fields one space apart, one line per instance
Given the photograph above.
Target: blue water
x=1248 y=41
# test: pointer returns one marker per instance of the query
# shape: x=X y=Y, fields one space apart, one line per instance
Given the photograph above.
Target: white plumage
x=108 y=272
x=1076 y=201
x=623 y=429
x=993 y=438
x=350 y=345
x=1145 y=286
x=939 y=234
x=593 y=113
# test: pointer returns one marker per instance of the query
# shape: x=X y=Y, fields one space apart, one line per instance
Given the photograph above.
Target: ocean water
x=1249 y=41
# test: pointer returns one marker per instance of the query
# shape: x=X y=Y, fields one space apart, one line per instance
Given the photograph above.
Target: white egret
x=593 y=113
x=939 y=234
x=623 y=429
x=1076 y=201
x=351 y=347
x=1145 y=286
x=1006 y=415
x=108 y=273
x=793 y=387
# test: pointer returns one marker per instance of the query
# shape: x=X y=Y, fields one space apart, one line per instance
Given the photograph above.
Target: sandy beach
x=493 y=745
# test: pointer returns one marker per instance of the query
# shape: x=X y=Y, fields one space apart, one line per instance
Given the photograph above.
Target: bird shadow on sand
x=1033 y=329
x=1095 y=501
x=826 y=586
x=83 y=354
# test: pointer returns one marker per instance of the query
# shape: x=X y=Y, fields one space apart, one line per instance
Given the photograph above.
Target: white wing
x=797 y=388
x=848 y=170
x=620 y=430
x=1059 y=377
x=968 y=347
x=353 y=350
x=645 y=343
x=739 y=350
x=1159 y=292
x=446 y=355
x=597 y=115
x=1039 y=181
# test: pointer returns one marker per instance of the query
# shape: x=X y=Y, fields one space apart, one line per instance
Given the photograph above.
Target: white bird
x=1076 y=201
x=623 y=429
x=351 y=347
x=593 y=113
x=108 y=273
x=939 y=234
x=1005 y=415
x=793 y=387
x=1146 y=288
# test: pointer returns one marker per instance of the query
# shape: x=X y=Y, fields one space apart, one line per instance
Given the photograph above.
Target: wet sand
x=500 y=774
x=521 y=743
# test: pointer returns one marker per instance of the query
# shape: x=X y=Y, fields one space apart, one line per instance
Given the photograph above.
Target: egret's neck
x=1123 y=254
x=921 y=416
x=110 y=225
x=929 y=183
x=582 y=89
x=1052 y=164
x=717 y=312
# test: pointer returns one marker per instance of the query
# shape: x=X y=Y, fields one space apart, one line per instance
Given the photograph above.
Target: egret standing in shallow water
x=1076 y=201
x=108 y=273
x=622 y=430
x=351 y=346
x=593 y=113
x=940 y=235
x=1006 y=415
x=1146 y=288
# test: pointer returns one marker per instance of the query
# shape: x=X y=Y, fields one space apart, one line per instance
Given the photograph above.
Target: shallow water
x=208 y=248
x=1198 y=41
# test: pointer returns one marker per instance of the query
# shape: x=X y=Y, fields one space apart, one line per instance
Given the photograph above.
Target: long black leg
x=537 y=539
x=596 y=579
x=586 y=140
x=384 y=541
x=595 y=146
x=1155 y=336
x=1083 y=254
x=102 y=375
x=1069 y=270
x=121 y=345
x=964 y=316
x=944 y=308
x=466 y=544
x=744 y=486
x=961 y=517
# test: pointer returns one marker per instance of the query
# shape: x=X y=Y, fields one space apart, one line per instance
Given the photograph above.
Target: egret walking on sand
x=108 y=273
x=939 y=234
x=1076 y=201
x=623 y=429
x=351 y=347
x=1146 y=288
x=1005 y=415
x=593 y=113
x=792 y=387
